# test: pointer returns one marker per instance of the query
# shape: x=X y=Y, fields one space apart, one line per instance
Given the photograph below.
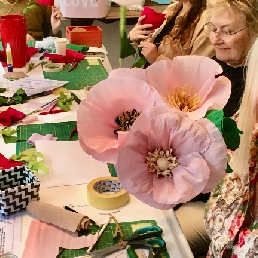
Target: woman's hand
x=139 y=31
x=56 y=19
x=149 y=50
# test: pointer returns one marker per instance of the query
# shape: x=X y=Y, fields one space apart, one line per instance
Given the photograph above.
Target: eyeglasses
x=211 y=30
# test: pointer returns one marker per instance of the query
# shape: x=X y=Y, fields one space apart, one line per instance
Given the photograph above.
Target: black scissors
x=144 y=238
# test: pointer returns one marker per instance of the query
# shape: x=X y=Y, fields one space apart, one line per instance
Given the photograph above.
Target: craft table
x=76 y=196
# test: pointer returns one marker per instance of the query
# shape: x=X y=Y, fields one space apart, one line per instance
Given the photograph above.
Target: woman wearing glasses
x=181 y=34
x=232 y=29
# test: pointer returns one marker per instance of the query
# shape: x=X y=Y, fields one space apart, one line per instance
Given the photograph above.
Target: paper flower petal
x=197 y=147
x=196 y=73
x=105 y=102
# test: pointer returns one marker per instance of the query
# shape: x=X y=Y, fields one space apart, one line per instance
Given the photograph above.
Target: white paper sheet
x=10 y=234
x=34 y=86
x=68 y=164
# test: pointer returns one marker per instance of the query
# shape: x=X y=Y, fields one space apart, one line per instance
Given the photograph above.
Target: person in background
x=181 y=34
x=232 y=211
x=232 y=29
x=41 y=20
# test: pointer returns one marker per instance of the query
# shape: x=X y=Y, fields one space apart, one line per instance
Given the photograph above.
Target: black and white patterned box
x=18 y=186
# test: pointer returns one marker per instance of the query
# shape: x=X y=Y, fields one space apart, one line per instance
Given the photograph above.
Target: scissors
x=145 y=238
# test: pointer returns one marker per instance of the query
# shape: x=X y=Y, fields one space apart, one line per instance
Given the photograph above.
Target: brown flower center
x=161 y=162
x=126 y=120
x=183 y=100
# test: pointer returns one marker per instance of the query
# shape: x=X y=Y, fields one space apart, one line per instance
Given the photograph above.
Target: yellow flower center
x=161 y=162
x=183 y=100
x=126 y=120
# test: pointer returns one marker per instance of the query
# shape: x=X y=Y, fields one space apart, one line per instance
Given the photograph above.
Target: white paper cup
x=60 y=44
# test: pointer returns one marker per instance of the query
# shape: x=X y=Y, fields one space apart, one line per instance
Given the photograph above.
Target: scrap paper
x=10 y=232
x=44 y=240
x=68 y=164
x=33 y=86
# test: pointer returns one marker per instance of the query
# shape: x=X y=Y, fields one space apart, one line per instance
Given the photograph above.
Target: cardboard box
x=84 y=8
x=18 y=186
x=84 y=35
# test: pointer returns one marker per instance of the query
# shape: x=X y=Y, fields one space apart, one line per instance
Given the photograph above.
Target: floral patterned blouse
x=226 y=212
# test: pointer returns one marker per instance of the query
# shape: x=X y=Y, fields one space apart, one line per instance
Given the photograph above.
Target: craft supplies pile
x=162 y=127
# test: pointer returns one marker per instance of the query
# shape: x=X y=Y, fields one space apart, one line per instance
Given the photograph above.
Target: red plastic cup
x=13 y=31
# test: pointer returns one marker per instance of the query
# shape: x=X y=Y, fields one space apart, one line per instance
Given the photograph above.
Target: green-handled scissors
x=145 y=238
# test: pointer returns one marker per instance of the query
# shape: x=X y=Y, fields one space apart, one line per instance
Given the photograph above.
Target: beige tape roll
x=106 y=193
x=53 y=67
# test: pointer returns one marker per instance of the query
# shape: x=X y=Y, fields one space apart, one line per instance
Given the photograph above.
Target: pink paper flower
x=169 y=158
x=187 y=83
x=152 y=17
x=107 y=113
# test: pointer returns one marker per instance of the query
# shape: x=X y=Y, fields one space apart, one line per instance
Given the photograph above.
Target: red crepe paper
x=46 y=2
x=6 y=163
x=30 y=51
x=152 y=17
x=10 y=116
x=71 y=56
x=52 y=111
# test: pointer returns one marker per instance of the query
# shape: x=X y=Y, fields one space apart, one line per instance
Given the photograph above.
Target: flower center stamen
x=126 y=120
x=183 y=100
x=161 y=162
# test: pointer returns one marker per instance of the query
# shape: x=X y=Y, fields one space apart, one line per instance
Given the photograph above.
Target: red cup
x=13 y=31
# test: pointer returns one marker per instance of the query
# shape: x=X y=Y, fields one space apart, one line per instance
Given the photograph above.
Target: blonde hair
x=247 y=114
x=249 y=8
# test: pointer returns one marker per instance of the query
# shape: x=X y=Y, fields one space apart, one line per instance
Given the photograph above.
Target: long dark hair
x=190 y=19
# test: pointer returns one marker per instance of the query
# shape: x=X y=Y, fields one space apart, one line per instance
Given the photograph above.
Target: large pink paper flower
x=169 y=158
x=187 y=83
x=107 y=113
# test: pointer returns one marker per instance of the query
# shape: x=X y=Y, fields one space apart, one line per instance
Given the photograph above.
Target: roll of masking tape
x=53 y=67
x=106 y=193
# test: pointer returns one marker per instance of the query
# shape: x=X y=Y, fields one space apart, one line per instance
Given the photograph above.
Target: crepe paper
x=44 y=240
x=98 y=115
x=126 y=49
x=65 y=102
x=152 y=17
x=2 y=90
x=57 y=91
x=38 y=137
x=57 y=216
x=33 y=159
x=171 y=158
x=227 y=126
x=19 y=97
x=76 y=99
x=78 y=48
x=138 y=63
x=52 y=111
x=193 y=76
x=10 y=116
x=6 y=163
x=7 y=135
x=71 y=56
x=71 y=166
x=46 y=2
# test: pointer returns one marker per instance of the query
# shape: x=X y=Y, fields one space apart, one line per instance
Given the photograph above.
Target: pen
x=9 y=58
